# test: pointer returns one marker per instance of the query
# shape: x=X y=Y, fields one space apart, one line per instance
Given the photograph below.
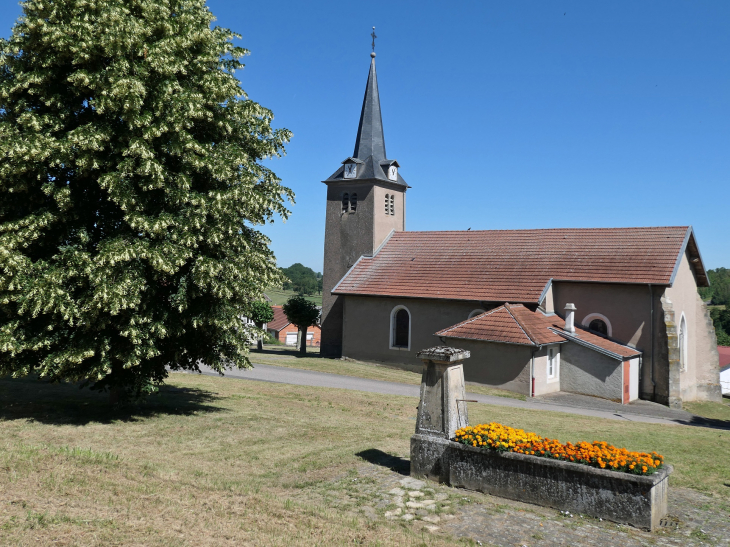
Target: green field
x=280 y=296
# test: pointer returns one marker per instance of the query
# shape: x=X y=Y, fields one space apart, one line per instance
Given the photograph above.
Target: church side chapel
x=606 y=312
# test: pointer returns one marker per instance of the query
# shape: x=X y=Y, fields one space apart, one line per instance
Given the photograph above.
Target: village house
x=724 y=352
x=287 y=333
x=608 y=312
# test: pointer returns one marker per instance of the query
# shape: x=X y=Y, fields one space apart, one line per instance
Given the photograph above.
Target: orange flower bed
x=599 y=454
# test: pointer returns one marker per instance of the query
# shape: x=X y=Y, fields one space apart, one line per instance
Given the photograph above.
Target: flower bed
x=599 y=454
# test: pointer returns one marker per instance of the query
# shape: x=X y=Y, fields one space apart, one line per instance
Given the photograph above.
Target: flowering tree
x=130 y=187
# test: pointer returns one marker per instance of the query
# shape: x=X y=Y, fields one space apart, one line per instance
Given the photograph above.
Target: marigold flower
x=501 y=438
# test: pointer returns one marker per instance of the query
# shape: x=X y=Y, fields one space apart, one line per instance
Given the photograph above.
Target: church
x=606 y=312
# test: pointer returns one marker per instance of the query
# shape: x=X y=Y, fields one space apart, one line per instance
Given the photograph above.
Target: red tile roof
x=595 y=341
x=497 y=325
x=516 y=324
x=724 y=352
x=514 y=265
x=280 y=321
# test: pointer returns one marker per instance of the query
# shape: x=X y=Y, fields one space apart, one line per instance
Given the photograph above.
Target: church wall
x=386 y=223
x=504 y=366
x=590 y=373
x=628 y=309
x=366 y=331
x=701 y=372
x=543 y=385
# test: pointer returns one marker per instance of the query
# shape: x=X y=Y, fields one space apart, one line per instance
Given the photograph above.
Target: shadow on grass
x=59 y=404
x=711 y=423
x=383 y=459
x=311 y=352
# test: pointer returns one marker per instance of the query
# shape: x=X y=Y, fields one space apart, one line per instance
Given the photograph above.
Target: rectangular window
x=553 y=363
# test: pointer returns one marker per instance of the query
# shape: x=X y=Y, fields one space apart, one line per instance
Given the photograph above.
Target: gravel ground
x=382 y=489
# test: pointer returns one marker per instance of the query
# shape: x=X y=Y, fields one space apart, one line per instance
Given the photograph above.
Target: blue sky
x=502 y=115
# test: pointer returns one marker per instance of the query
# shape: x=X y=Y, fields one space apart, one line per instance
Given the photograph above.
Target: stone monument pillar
x=442 y=409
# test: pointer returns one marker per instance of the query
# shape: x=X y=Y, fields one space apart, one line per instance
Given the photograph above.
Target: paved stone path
x=640 y=411
x=377 y=491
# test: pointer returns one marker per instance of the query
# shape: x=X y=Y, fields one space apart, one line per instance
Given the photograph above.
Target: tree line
x=302 y=280
x=718 y=294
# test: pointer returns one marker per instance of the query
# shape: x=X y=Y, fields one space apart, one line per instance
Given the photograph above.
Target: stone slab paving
x=381 y=491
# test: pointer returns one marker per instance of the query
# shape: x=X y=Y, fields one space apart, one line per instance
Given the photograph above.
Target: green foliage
x=719 y=290
x=130 y=185
x=301 y=312
x=261 y=312
x=721 y=319
x=302 y=280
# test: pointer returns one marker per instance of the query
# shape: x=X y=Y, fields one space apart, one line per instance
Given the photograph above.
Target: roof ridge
x=545 y=229
x=524 y=328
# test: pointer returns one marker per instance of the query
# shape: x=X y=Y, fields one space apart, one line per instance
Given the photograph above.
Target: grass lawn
x=714 y=411
x=280 y=296
x=285 y=356
x=219 y=461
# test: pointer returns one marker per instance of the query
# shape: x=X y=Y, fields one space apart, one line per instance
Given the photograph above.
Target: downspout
x=653 y=382
x=532 y=371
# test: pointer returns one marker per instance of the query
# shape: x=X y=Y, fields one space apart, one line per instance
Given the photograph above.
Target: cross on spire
x=374 y=37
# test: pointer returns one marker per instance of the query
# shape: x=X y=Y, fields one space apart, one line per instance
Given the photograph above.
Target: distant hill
x=280 y=296
x=302 y=280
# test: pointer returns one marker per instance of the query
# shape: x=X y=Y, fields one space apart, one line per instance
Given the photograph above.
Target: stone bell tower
x=366 y=200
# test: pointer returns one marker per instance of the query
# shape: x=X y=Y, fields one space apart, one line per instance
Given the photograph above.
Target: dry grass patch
x=208 y=461
x=218 y=461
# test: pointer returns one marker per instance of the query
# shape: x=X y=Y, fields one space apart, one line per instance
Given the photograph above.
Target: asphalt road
x=284 y=375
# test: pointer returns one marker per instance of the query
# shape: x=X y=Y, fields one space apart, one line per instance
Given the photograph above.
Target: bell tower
x=366 y=200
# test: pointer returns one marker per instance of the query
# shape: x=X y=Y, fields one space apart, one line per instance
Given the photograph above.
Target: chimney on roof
x=570 y=317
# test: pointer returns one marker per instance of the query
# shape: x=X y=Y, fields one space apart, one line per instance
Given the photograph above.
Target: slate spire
x=370 y=139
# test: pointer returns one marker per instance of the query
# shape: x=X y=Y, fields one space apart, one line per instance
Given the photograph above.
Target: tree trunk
x=260 y=341
x=303 y=345
x=115 y=390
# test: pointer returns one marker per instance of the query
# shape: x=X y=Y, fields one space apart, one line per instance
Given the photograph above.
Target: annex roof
x=517 y=265
x=516 y=324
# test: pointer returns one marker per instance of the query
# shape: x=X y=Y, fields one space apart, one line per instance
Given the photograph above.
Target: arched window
x=345 y=202
x=353 y=203
x=400 y=328
x=598 y=323
x=476 y=312
x=387 y=202
x=682 y=343
x=392 y=206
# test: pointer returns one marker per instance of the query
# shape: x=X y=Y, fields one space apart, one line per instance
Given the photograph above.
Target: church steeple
x=366 y=202
x=370 y=138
